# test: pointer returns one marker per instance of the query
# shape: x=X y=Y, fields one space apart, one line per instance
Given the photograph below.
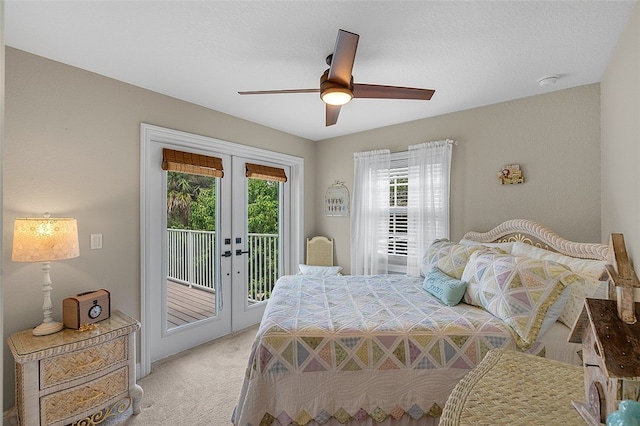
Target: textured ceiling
x=472 y=53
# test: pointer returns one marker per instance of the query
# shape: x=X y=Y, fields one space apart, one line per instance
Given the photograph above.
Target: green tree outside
x=191 y=203
x=263 y=212
x=203 y=211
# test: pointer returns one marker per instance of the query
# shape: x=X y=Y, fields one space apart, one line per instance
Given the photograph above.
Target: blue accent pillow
x=447 y=289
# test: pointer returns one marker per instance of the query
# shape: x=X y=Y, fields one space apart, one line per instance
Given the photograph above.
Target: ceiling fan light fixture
x=336 y=95
x=336 y=83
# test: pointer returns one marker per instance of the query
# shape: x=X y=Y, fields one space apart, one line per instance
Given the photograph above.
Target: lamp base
x=47 y=328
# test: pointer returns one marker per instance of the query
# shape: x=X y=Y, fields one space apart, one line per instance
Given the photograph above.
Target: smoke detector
x=547 y=81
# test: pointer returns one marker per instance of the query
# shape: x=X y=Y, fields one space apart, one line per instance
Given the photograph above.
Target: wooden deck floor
x=186 y=305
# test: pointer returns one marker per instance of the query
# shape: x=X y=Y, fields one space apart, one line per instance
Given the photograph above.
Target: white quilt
x=361 y=348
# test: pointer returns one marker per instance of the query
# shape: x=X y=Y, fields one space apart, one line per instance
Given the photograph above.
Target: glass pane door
x=258 y=216
x=263 y=224
x=192 y=259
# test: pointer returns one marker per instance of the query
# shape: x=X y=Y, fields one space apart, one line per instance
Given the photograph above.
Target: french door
x=258 y=236
x=212 y=247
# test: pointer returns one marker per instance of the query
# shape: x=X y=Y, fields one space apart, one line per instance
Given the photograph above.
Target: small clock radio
x=86 y=308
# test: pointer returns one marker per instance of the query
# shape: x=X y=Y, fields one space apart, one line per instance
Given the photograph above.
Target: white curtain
x=370 y=213
x=428 y=204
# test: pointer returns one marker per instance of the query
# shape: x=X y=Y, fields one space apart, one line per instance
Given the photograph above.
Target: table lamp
x=43 y=240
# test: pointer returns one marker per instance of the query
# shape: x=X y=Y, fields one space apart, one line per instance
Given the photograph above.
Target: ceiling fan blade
x=278 y=92
x=391 y=92
x=332 y=112
x=344 y=54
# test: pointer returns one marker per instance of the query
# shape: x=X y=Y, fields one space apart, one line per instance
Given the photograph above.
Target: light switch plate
x=96 y=241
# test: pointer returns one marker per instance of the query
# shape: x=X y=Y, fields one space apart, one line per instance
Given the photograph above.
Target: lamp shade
x=45 y=239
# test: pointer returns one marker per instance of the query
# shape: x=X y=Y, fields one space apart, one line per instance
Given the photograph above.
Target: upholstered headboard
x=320 y=251
x=533 y=233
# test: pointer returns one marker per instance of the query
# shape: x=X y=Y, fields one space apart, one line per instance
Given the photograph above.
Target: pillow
x=449 y=257
x=591 y=267
x=518 y=290
x=578 y=291
x=588 y=270
x=447 y=289
x=554 y=311
x=505 y=247
x=319 y=270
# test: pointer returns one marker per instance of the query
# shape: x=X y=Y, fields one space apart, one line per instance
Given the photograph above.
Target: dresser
x=73 y=375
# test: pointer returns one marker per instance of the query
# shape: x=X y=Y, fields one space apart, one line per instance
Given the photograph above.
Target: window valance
x=257 y=171
x=188 y=162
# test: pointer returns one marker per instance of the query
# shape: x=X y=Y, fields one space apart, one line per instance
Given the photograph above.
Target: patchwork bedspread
x=353 y=347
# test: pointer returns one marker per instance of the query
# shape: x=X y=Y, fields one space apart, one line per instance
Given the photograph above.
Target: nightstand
x=76 y=375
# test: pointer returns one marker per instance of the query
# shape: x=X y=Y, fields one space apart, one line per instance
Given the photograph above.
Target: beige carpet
x=196 y=387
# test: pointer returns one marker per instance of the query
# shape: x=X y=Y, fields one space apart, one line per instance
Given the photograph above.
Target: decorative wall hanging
x=336 y=200
x=511 y=174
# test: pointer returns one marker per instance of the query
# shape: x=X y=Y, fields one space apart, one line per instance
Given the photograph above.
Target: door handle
x=239 y=252
x=227 y=253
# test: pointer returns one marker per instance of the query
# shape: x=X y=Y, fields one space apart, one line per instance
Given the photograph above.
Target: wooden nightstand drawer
x=70 y=402
x=66 y=367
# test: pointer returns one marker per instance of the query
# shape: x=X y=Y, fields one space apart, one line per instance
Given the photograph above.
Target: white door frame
x=150 y=135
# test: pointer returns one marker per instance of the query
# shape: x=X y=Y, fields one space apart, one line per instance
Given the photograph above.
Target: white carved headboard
x=538 y=235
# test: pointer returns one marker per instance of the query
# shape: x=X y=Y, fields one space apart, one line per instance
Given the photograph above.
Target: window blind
x=398 y=199
x=195 y=164
x=258 y=171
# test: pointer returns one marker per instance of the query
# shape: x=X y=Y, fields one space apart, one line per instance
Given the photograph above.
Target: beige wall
x=620 y=100
x=555 y=137
x=72 y=148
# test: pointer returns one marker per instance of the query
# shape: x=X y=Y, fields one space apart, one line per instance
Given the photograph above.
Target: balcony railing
x=191 y=261
x=191 y=257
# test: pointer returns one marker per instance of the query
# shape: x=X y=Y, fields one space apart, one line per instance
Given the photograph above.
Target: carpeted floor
x=197 y=387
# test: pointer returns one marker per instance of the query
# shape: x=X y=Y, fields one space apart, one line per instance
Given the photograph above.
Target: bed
x=379 y=349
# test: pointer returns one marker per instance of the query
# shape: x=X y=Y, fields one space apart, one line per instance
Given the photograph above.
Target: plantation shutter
x=257 y=171
x=398 y=201
x=195 y=164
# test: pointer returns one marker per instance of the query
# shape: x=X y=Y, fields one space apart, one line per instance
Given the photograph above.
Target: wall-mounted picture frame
x=336 y=200
x=511 y=175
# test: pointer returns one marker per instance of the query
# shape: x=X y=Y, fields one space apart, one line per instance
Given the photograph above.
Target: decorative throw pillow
x=518 y=290
x=319 y=270
x=449 y=257
x=447 y=289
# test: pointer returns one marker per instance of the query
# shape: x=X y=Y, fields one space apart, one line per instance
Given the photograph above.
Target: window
x=400 y=205
x=398 y=213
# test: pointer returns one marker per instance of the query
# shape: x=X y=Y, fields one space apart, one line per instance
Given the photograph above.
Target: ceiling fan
x=337 y=86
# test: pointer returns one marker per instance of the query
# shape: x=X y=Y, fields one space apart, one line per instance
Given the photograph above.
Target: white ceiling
x=472 y=53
